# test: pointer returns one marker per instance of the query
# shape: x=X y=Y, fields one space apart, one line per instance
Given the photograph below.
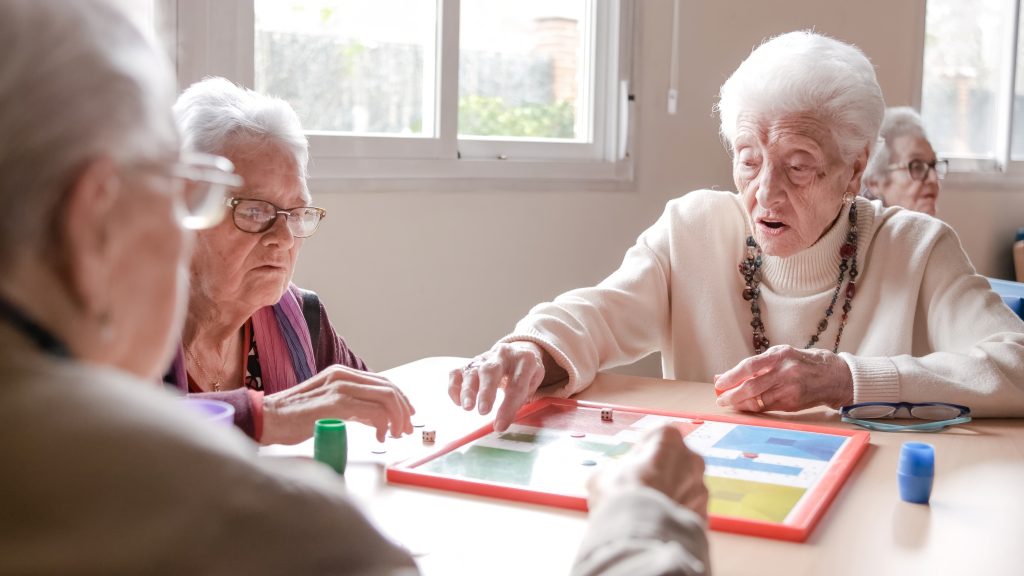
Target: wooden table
x=974 y=524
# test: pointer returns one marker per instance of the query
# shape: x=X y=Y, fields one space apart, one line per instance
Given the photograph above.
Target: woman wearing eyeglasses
x=903 y=170
x=252 y=338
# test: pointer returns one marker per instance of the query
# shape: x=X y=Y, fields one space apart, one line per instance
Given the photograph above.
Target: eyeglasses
x=918 y=169
x=201 y=183
x=257 y=216
x=939 y=415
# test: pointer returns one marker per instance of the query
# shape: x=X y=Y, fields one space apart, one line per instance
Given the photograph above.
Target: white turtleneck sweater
x=923 y=325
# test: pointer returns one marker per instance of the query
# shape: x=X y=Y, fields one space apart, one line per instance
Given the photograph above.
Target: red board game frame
x=796 y=528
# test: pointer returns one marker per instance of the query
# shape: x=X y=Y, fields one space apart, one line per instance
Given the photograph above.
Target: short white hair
x=899 y=121
x=803 y=73
x=80 y=81
x=215 y=113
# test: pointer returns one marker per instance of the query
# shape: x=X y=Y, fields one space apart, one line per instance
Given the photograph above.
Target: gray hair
x=803 y=73
x=899 y=121
x=214 y=113
x=80 y=81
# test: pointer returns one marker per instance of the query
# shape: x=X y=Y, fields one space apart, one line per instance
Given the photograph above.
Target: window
x=972 y=97
x=414 y=90
x=349 y=69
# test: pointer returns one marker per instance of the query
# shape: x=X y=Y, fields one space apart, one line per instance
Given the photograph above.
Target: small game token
x=416 y=424
x=429 y=436
x=606 y=414
x=589 y=463
x=697 y=421
x=330 y=443
x=379 y=450
x=750 y=455
x=577 y=434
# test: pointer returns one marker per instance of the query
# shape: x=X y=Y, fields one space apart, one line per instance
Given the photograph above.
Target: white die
x=429 y=436
x=606 y=414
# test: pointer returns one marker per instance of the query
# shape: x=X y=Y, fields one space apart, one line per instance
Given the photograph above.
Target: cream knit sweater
x=923 y=327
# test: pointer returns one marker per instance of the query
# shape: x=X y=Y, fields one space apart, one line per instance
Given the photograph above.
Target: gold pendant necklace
x=214 y=383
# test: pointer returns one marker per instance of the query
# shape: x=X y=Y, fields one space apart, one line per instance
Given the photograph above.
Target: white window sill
x=467 y=175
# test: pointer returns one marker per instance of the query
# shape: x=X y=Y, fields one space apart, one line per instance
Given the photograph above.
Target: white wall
x=986 y=217
x=408 y=275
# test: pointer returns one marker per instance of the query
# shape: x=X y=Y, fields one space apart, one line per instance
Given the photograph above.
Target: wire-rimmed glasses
x=918 y=169
x=258 y=216
x=938 y=415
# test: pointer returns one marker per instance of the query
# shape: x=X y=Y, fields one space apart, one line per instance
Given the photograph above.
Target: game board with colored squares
x=755 y=474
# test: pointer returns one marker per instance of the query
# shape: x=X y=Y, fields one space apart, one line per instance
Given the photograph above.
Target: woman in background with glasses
x=252 y=338
x=903 y=170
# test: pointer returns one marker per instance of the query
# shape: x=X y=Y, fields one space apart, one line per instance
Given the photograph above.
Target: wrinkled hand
x=518 y=367
x=337 y=392
x=660 y=461
x=786 y=379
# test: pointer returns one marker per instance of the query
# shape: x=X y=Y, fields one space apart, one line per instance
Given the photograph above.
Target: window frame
x=1001 y=167
x=216 y=37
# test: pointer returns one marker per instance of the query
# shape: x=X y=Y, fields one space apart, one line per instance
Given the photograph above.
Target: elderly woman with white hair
x=903 y=169
x=252 y=338
x=793 y=293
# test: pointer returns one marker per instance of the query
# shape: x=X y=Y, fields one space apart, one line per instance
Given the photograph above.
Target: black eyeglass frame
x=928 y=425
x=233 y=203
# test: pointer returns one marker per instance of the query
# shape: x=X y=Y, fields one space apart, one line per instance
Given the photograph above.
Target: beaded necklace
x=750 y=269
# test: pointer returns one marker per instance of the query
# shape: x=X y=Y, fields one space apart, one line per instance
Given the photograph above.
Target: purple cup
x=212 y=410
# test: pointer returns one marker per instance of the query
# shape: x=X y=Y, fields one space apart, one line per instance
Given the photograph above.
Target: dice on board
x=606 y=414
x=429 y=436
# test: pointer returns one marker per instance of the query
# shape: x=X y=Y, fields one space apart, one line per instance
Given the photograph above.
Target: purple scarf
x=285 y=349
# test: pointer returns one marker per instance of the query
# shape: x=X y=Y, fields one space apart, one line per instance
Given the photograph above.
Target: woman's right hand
x=518 y=367
x=662 y=461
x=337 y=392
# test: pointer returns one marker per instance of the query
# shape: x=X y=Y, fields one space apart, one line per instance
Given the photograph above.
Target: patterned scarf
x=285 y=348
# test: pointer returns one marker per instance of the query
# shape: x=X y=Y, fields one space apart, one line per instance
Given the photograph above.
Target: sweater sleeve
x=643 y=533
x=973 y=345
x=331 y=348
x=619 y=321
x=242 y=401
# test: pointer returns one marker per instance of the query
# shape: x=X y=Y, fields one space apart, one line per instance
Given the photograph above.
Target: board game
x=765 y=477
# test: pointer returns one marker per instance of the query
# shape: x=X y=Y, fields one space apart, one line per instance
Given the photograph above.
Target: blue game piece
x=916 y=471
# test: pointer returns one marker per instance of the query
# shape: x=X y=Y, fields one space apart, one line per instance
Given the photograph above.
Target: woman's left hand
x=786 y=379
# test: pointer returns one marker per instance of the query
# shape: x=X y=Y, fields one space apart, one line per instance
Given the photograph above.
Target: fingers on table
x=491 y=374
x=391 y=402
x=518 y=391
x=368 y=411
x=455 y=385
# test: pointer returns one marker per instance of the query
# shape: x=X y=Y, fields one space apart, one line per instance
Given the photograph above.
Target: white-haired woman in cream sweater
x=792 y=293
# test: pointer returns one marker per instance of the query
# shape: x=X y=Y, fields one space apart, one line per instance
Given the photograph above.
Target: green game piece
x=330 y=443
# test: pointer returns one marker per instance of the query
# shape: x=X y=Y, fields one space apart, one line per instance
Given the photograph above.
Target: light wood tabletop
x=974 y=523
